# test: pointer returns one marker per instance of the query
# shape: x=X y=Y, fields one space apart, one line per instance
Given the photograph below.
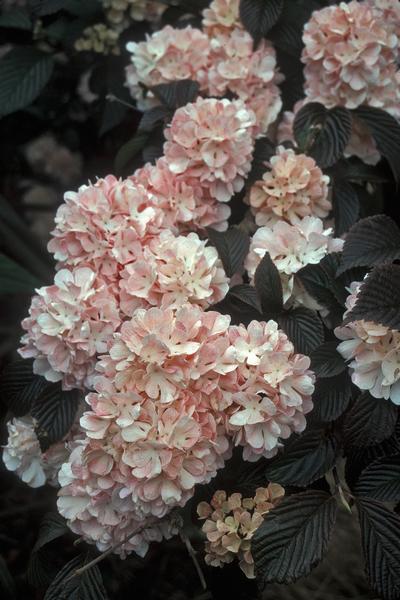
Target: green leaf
x=372 y=241
x=294 y=537
x=303 y=327
x=53 y=526
x=322 y=133
x=259 y=16
x=380 y=536
x=386 y=132
x=331 y=397
x=177 y=93
x=54 y=411
x=24 y=72
x=304 y=459
x=16 y=18
x=264 y=149
x=154 y=117
x=370 y=421
x=269 y=286
x=14 y=279
x=129 y=150
x=246 y=294
x=346 y=206
x=379 y=298
x=67 y=586
x=326 y=360
x=381 y=480
x=232 y=247
x=113 y=114
x=16 y=379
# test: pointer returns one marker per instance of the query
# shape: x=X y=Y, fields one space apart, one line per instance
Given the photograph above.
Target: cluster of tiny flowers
x=221 y=58
x=231 y=523
x=350 y=57
x=99 y=38
x=294 y=187
x=23 y=455
x=291 y=247
x=373 y=350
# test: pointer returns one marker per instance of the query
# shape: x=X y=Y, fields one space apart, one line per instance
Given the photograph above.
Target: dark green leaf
x=372 y=241
x=294 y=537
x=114 y=113
x=129 y=150
x=259 y=16
x=386 y=132
x=304 y=459
x=7 y=586
x=269 y=286
x=42 y=568
x=381 y=480
x=326 y=360
x=52 y=527
x=67 y=586
x=379 y=298
x=264 y=149
x=154 y=117
x=14 y=279
x=346 y=206
x=16 y=18
x=54 y=411
x=331 y=397
x=303 y=327
x=370 y=421
x=232 y=246
x=246 y=294
x=15 y=378
x=177 y=93
x=23 y=74
x=322 y=133
x=380 y=536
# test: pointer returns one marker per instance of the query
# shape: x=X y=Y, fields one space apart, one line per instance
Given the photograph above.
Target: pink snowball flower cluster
x=293 y=188
x=212 y=140
x=69 y=324
x=373 y=350
x=230 y=523
x=291 y=247
x=350 y=58
x=172 y=271
x=22 y=454
x=221 y=60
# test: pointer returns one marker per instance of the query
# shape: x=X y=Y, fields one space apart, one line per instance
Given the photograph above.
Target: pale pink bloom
x=222 y=16
x=173 y=271
x=390 y=14
x=167 y=55
x=374 y=352
x=23 y=455
x=250 y=74
x=291 y=247
x=231 y=523
x=184 y=203
x=69 y=324
x=104 y=225
x=350 y=57
x=137 y=10
x=212 y=140
x=361 y=143
x=293 y=187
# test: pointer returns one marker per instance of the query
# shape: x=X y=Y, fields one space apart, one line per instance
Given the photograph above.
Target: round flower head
x=212 y=140
x=231 y=523
x=350 y=58
x=374 y=352
x=69 y=324
x=104 y=225
x=22 y=454
x=173 y=271
x=250 y=74
x=184 y=203
x=361 y=143
x=269 y=391
x=293 y=188
x=291 y=247
x=222 y=16
x=167 y=55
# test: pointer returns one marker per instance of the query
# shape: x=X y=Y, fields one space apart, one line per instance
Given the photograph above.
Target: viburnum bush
x=217 y=356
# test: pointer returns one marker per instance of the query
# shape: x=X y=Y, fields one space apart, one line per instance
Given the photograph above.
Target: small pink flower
x=293 y=188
